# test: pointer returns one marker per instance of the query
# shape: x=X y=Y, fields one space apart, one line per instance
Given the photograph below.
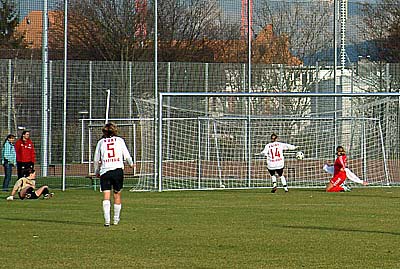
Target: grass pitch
x=205 y=229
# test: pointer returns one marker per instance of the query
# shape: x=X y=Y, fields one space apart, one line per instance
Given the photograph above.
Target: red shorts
x=338 y=179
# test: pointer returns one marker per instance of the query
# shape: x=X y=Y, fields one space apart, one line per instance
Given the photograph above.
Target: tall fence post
x=45 y=93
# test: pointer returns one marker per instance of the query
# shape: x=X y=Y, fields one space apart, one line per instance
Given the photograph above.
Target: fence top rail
x=281 y=94
x=252 y=117
x=283 y=118
x=114 y=119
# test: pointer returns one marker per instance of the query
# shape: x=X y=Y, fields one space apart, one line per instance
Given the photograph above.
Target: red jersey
x=340 y=162
x=25 y=151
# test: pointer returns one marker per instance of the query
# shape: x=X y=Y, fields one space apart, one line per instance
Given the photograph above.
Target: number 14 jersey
x=274 y=153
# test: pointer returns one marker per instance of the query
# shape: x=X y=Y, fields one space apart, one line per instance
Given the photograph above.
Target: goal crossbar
x=280 y=94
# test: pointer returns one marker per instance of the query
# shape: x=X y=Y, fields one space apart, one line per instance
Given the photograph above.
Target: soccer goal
x=130 y=130
x=212 y=141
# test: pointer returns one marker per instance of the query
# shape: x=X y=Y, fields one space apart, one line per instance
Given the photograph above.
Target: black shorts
x=114 y=179
x=277 y=171
x=27 y=193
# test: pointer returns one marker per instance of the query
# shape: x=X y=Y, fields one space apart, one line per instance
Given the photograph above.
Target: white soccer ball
x=299 y=155
x=222 y=186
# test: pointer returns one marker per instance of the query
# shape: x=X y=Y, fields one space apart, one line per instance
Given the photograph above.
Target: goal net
x=212 y=142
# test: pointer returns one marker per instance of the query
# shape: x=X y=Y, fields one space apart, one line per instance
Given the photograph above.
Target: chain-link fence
x=202 y=46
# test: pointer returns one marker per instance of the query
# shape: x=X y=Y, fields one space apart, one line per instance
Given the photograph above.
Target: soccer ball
x=299 y=155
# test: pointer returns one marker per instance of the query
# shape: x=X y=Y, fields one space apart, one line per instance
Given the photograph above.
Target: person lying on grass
x=25 y=186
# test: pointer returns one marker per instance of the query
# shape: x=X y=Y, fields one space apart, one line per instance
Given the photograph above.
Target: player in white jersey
x=276 y=161
x=109 y=157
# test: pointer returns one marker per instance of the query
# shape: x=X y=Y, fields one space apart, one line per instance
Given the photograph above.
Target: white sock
x=273 y=181
x=106 y=211
x=117 y=211
x=283 y=180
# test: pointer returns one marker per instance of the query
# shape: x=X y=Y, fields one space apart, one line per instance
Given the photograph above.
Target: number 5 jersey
x=110 y=154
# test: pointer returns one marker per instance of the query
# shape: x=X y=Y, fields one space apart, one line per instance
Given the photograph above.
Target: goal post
x=211 y=140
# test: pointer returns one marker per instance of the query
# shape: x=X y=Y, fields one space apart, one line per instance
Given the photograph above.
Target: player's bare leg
x=23 y=192
x=117 y=207
x=106 y=207
x=274 y=186
x=45 y=191
x=284 y=183
x=329 y=187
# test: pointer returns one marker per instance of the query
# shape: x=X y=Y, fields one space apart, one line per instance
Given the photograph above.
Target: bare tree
x=183 y=26
x=124 y=30
x=103 y=29
x=180 y=20
x=382 y=27
x=306 y=25
x=304 y=30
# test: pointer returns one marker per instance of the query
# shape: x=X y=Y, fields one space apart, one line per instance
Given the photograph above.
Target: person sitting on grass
x=25 y=186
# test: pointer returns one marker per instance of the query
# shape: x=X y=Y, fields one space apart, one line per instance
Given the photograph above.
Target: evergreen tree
x=9 y=19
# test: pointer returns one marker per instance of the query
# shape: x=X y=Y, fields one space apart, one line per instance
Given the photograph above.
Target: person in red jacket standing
x=25 y=151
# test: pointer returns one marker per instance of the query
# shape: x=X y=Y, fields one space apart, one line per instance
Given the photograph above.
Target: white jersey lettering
x=274 y=153
x=110 y=154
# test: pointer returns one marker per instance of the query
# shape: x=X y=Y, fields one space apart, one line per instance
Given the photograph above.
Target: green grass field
x=205 y=229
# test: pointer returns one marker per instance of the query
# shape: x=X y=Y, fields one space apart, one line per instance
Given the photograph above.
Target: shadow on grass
x=358 y=192
x=386 y=195
x=338 y=229
x=52 y=221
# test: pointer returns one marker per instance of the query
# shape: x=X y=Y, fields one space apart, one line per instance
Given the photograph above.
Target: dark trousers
x=7 y=174
x=22 y=166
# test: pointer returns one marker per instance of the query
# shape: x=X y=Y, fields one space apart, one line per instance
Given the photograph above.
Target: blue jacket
x=8 y=152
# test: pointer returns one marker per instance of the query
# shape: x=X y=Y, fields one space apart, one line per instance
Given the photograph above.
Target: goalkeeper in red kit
x=339 y=173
